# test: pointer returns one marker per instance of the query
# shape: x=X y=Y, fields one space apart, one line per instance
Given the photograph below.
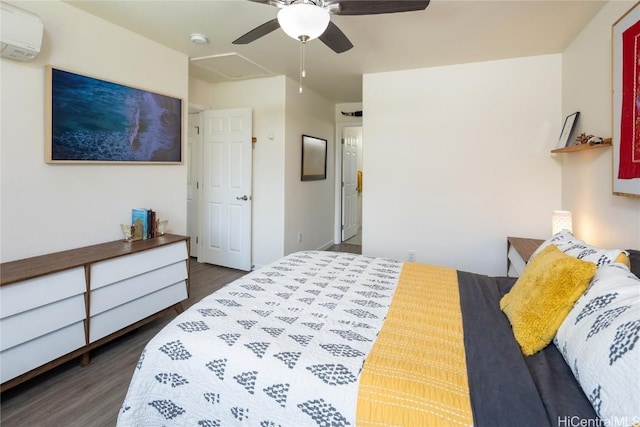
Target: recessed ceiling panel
x=231 y=66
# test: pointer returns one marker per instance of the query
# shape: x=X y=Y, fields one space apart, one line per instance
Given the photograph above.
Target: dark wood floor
x=70 y=395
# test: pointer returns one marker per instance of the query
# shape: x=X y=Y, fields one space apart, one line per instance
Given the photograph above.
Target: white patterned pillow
x=571 y=245
x=600 y=341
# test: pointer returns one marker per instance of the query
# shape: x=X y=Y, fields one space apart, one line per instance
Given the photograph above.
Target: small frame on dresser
x=314 y=158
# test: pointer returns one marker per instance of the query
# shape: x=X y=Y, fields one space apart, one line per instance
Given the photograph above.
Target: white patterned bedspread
x=281 y=346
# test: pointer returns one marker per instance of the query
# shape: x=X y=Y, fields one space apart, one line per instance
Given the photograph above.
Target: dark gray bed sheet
x=506 y=387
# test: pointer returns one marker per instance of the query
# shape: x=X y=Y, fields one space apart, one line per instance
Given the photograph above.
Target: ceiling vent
x=228 y=66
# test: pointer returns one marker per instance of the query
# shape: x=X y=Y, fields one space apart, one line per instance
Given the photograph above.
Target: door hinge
x=342 y=141
x=197 y=185
x=197 y=130
x=342 y=226
x=196 y=240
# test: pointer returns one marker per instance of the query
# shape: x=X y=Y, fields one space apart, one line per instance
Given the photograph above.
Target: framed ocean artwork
x=89 y=120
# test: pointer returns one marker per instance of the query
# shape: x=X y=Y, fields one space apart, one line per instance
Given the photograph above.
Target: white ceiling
x=446 y=32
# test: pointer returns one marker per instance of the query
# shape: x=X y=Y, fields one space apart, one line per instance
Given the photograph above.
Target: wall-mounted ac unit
x=20 y=33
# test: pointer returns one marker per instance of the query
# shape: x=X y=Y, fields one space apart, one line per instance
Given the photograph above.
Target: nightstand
x=519 y=250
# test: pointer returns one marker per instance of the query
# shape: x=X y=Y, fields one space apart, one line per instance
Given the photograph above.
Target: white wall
x=309 y=205
x=46 y=208
x=457 y=158
x=599 y=217
x=266 y=98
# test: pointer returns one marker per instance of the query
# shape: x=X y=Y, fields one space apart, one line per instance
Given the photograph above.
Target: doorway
x=220 y=168
x=351 y=187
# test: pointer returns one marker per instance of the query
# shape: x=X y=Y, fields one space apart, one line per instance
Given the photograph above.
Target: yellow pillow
x=543 y=296
x=623 y=259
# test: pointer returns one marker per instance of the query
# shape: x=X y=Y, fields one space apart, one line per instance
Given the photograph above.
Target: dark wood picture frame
x=314 y=158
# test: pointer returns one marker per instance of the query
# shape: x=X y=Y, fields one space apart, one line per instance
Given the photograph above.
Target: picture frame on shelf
x=90 y=120
x=567 y=130
x=625 y=69
x=314 y=158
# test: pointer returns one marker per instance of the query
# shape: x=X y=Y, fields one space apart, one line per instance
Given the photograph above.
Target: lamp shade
x=303 y=21
x=561 y=220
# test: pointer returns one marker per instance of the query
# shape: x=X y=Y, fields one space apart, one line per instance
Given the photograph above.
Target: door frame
x=197 y=109
x=337 y=235
x=223 y=257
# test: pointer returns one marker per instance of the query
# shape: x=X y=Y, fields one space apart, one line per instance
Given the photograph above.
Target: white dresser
x=59 y=306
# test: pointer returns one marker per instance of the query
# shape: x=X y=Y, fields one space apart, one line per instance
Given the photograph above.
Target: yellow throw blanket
x=416 y=373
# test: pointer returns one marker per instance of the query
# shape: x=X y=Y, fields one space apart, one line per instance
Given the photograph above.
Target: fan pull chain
x=303 y=71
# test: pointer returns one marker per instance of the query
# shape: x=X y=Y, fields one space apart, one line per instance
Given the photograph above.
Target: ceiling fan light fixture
x=303 y=21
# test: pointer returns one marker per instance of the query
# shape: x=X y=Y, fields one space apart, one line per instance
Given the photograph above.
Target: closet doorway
x=351 y=198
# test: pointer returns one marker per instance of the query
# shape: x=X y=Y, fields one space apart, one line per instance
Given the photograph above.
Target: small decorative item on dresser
x=127 y=231
x=162 y=226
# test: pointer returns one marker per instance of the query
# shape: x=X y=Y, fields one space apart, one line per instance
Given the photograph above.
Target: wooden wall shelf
x=582 y=147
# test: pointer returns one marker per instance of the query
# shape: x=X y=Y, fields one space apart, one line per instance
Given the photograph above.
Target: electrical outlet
x=412 y=255
x=299 y=237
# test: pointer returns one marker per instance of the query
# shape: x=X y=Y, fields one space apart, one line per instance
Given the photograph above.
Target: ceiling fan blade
x=335 y=39
x=258 y=32
x=374 y=7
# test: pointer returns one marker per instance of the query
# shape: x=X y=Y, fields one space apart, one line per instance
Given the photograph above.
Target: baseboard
x=325 y=246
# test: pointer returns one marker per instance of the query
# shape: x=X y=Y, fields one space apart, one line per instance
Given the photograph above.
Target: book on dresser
x=144 y=222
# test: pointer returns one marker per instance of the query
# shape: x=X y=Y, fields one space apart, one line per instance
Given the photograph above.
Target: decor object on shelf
x=583 y=138
x=314 y=158
x=561 y=220
x=626 y=110
x=567 y=129
x=91 y=120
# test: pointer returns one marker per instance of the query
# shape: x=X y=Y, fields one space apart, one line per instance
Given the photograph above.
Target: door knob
x=242 y=198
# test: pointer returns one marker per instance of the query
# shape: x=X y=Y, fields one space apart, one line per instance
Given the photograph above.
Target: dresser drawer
x=28 y=325
x=32 y=354
x=114 y=270
x=115 y=294
x=124 y=315
x=43 y=290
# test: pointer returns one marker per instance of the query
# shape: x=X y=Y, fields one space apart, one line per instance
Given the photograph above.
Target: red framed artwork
x=626 y=103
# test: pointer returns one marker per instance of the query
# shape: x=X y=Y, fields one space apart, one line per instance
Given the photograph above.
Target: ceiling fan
x=308 y=19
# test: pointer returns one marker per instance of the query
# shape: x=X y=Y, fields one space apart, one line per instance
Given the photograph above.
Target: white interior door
x=193 y=163
x=226 y=188
x=351 y=139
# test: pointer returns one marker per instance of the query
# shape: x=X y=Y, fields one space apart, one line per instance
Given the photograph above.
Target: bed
x=338 y=339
